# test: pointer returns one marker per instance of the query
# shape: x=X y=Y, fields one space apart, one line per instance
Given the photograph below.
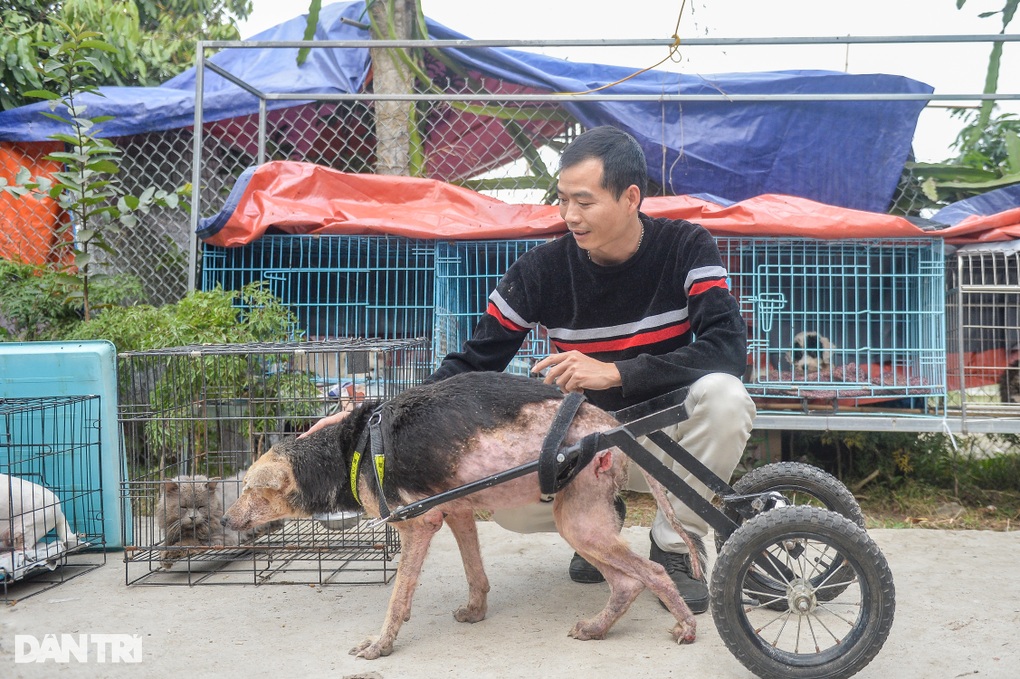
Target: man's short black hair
x=623 y=161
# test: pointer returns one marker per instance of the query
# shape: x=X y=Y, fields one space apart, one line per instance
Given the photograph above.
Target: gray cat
x=190 y=514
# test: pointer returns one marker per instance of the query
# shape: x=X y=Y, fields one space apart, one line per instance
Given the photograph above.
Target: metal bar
x=196 y=166
x=421 y=506
x=690 y=463
x=263 y=116
x=558 y=97
x=640 y=455
x=244 y=85
x=921 y=423
x=622 y=42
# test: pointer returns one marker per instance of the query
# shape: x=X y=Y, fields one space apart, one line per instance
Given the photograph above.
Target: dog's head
x=811 y=352
x=266 y=494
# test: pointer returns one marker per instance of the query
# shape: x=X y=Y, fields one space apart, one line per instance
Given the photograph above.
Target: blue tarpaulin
x=843 y=153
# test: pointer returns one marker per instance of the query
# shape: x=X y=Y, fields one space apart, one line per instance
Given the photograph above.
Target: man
x=636 y=307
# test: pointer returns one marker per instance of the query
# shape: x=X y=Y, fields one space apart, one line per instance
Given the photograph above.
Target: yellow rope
x=673 y=50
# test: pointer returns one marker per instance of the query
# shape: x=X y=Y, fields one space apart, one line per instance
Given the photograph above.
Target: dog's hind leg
x=594 y=533
x=462 y=524
x=662 y=501
x=415 y=538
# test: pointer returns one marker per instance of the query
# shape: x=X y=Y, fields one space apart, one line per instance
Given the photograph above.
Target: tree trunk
x=392 y=20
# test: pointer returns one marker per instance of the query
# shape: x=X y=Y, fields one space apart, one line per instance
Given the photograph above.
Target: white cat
x=28 y=512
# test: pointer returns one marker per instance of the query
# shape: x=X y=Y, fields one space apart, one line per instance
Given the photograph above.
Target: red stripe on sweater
x=494 y=311
x=638 y=340
x=700 y=287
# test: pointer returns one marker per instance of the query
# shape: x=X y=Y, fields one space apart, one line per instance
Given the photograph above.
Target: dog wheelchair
x=799 y=589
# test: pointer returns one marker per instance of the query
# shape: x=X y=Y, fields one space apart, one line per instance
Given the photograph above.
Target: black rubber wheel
x=812 y=636
x=800 y=484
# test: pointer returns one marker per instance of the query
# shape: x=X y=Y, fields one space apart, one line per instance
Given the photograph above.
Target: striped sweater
x=665 y=317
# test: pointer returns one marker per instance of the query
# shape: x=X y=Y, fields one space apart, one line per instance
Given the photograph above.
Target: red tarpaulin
x=302 y=198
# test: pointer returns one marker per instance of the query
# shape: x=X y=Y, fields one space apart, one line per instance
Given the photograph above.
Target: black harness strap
x=375 y=441
x=556 y=469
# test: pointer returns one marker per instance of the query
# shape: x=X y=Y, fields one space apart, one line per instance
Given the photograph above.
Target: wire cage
x=195 y=417
x=337 y=286
x=835 y=320
x=983 y=282
x=51 y=495
x=466 y=273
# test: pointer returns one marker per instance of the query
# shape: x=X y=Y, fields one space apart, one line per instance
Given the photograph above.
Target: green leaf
x=107 y=166
x=99 y=45
x=41 y=94
x=312 y=23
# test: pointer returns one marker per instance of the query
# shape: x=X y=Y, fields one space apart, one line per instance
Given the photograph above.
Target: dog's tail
x=695 y=546
x=65 y=534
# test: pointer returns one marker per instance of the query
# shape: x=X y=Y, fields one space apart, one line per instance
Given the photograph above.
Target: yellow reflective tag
x=354 y=475
x=380 y=464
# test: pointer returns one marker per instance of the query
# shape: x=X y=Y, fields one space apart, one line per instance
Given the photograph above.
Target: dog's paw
x=469 y=614
x=584 y=630
x=370 y=649
x=685 y=632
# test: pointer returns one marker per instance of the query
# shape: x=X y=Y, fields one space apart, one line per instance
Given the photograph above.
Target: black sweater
x=665 y=317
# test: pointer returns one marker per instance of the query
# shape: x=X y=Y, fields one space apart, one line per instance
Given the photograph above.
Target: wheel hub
x=800 y=596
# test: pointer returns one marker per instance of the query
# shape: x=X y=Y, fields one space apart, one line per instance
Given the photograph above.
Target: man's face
x=606 y=226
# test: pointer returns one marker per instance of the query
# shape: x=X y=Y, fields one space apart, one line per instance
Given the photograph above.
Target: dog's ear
x=170 y=487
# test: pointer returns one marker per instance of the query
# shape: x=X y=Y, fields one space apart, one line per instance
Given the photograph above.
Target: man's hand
x=335 y=418
x=574 y=371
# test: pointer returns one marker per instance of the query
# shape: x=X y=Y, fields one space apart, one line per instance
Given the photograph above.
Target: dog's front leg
x=464 y=529
x=415 y=537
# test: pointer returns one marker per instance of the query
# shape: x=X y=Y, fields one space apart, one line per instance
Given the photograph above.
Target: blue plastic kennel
x=63 y=374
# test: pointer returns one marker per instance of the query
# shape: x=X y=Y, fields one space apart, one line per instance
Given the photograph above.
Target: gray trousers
x=720 y=417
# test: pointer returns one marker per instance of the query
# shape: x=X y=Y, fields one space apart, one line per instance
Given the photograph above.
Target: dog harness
x=555 y=467
x=372 y=439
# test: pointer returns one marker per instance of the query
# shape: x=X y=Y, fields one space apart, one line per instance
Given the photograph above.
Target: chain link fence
x=478 y=145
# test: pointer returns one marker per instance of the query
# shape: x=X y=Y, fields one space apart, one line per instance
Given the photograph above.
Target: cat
x=190 y=514
x=1009 y=383
x=28 y=512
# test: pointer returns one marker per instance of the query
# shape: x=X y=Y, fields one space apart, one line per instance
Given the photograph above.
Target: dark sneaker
x=582 y=571
x=678 y=566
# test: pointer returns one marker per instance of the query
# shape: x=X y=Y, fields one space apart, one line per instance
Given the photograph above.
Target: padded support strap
x=375 y=438
x=555 y=469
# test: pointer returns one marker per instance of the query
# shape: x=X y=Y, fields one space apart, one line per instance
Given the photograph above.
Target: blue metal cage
x=841 y=319
x=51 y=462
x=827 y=319
x=466 y=272
x=337 y=286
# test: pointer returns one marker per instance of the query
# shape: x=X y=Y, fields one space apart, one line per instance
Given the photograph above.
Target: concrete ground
x=957 y=615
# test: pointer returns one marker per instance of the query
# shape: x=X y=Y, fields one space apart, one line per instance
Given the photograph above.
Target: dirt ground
x=957 y=613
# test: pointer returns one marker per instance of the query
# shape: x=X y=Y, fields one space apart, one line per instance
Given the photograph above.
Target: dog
x=811 y=352
x=28 y=512
x=1009 y=383
x=440 y=436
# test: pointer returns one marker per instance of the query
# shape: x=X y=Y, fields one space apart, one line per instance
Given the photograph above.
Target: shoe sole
x=587 y=578
x=697 y=607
